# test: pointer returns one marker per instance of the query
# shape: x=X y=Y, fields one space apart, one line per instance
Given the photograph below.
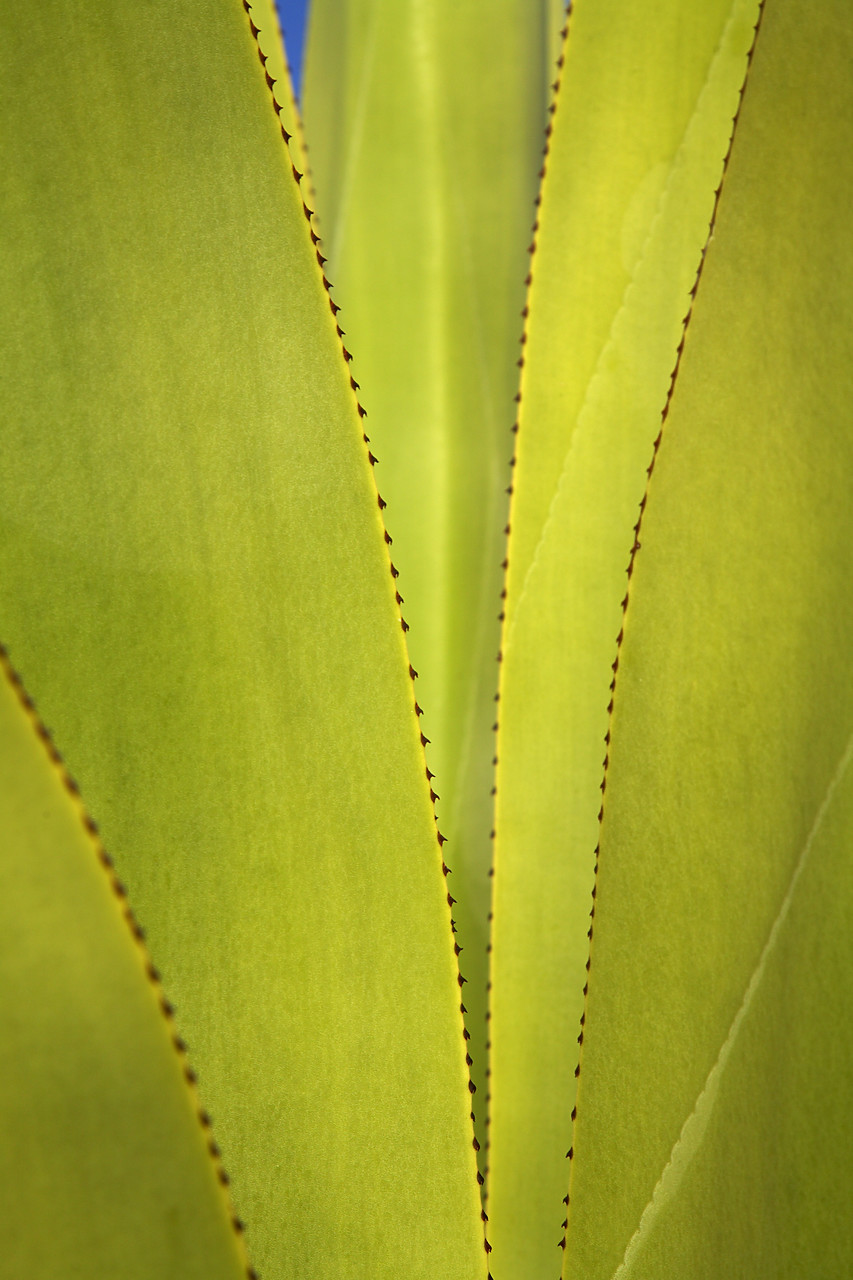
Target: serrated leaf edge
x=525 y=315
x=636 y=546
x=137 y=937
x=316 y=243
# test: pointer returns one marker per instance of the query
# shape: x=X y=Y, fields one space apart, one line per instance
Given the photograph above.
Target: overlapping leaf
x=424 y=126
x=715 y=1127
x=196 y=589
x=626 y=206
x=104 y=1164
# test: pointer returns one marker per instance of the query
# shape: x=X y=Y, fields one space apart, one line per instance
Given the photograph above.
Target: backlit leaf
x=715 y=1126
x=626 y=206
x=424 y=124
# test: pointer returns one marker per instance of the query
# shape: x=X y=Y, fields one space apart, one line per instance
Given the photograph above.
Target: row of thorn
x=167 y=1009
x=321 y=261
x=372 y=459
x=636 y=545
x=525 y=314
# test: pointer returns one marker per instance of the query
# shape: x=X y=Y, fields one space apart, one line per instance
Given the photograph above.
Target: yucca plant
x=213 y=709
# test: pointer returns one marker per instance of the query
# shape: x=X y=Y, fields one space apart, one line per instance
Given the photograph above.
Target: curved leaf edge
x=136 y=938
x=288 y=112
x=555 y=87
x=636 y=546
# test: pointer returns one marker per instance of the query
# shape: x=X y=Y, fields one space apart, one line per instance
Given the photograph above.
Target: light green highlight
x=425 y=127
x=627 y=204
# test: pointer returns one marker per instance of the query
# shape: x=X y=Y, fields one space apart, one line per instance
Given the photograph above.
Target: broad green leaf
x=196 y=590
x=642 y=126
x=424 y=126
x=714 y=1134
x=103 y=1162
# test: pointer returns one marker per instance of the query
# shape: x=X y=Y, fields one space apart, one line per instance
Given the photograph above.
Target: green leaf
x=424 y=127
x=626 y=204
x=197 y=592
x=715 y=1126
x=104 y=1163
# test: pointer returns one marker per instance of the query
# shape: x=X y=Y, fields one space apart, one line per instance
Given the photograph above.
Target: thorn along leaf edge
x=137 y=936
x=555 y=88
x=635 y=548
x=316 y=241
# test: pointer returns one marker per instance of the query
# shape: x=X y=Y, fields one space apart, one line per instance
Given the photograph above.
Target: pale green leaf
x=103 y=1163
x=714 y=1134
x=196 y=589
x=640 y=134
x=424 y=125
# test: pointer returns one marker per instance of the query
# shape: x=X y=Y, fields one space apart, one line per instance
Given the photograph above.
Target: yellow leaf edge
x=136 y=938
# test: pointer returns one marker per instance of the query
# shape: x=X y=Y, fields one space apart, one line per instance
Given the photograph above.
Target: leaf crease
x=600 y=373
x=696 y=1125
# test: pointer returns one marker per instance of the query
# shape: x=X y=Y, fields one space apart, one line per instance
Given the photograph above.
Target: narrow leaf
x=626 y=206
x=715 y=1127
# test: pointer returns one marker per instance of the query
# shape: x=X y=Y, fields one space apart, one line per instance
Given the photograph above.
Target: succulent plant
x=274 y=1001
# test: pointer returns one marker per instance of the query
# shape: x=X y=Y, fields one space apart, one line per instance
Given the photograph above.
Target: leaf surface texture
x=197 y=592
x=626 y=207
x=714 y=1125
x=104 y=1164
